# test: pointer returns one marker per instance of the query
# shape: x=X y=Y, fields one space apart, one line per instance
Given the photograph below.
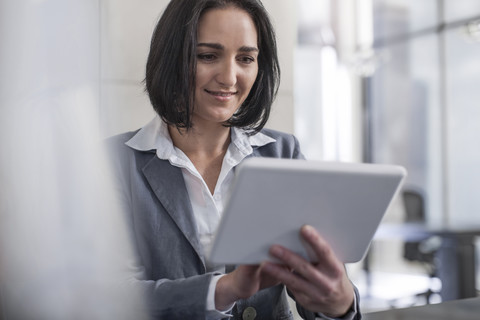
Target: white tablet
x=272 y=198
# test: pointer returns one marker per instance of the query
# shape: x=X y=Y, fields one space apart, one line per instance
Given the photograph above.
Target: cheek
x=200 y=75
x=250 y=78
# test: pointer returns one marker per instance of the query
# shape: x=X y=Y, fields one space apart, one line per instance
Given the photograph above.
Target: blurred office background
x=394 y=81
x=385 y=81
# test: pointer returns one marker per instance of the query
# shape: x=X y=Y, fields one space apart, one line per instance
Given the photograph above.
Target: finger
x=306 y=292
x=303 y=270
x=311 y=287
x=292 y=280
x=327 y=260
x=290 y=259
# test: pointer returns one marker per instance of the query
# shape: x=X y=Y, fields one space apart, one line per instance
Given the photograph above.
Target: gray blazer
x=169 y=270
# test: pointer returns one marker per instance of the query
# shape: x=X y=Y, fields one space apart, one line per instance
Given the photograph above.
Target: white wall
x=284 y=16
x=126 y=29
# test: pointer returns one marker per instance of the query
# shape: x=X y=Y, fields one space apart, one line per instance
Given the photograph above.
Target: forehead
x=227 y=25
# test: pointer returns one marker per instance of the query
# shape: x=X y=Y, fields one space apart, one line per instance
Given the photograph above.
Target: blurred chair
x=422 y=251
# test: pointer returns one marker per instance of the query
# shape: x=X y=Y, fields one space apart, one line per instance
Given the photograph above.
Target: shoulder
x=120 y=155
x=116 y=145
x=118 y=141
x=285 y=146
x=281 y=137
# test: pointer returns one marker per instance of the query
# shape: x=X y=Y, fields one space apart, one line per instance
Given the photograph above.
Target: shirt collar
x=155 y=136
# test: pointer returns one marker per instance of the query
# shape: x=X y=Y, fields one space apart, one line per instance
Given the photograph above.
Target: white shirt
x=207 y=208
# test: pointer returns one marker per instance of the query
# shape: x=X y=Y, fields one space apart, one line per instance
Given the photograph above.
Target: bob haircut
x=172 y=61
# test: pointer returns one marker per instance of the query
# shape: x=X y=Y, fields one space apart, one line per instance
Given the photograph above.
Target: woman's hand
x=321 y=287
x=242 y=283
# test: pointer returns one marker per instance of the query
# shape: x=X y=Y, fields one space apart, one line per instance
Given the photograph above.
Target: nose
x=227 y=74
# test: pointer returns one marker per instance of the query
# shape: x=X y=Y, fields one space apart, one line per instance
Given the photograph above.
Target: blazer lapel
x=169 y=186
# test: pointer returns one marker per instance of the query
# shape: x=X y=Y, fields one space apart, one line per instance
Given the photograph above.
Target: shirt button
x=249 y=313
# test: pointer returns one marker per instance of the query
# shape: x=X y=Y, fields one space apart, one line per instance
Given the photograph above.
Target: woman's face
x=227 y=64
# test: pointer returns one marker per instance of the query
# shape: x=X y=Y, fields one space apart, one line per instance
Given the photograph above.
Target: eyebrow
x=221 y=47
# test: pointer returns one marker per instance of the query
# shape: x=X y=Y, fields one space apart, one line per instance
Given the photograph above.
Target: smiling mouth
x=220 y=93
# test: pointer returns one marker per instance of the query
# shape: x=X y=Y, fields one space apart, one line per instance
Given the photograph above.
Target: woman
x=212 y=74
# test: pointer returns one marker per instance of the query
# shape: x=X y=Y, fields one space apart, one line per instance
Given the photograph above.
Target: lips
x=221 y=93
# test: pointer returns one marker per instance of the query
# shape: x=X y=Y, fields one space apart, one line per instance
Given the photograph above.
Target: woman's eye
x=246 y=59
x=206 y=56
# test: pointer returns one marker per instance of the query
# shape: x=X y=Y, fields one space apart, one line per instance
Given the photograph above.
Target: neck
x=206 y=141
x=205 y=148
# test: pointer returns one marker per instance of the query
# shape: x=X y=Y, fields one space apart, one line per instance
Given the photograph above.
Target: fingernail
x=308 y=230
x=277 y=251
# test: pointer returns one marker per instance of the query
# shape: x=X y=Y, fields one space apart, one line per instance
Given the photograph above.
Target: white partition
x=61 y=236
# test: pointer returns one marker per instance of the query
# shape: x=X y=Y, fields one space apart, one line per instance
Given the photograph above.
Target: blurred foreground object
x=62 y=240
